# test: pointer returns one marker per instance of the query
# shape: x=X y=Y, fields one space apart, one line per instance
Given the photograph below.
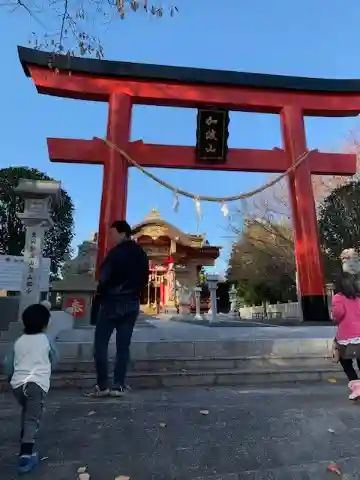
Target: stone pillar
x=197 y=291
x=329 y=293
x=148 y=291
x=171 y=289
x=39 y=196
x=233 y=299
x=212 y=281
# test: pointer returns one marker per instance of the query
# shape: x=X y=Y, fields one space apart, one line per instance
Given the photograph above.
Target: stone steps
x=209 y=378
x=191 y=364
x=187 y=372
x=160 y=363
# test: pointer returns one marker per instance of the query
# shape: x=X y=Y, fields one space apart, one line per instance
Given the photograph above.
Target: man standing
x=122 y=277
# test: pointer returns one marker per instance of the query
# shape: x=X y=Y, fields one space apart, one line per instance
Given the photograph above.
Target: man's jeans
x=122 y=319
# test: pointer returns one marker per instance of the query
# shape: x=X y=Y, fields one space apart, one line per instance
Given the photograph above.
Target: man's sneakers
x=28 y=463
x=97 y=392
x=117 y=391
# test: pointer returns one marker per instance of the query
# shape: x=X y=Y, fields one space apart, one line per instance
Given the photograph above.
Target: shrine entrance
x=175 y=259
x=150 y=300
x=214 y=94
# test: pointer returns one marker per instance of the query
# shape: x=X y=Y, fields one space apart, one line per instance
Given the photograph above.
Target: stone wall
x=9 y=307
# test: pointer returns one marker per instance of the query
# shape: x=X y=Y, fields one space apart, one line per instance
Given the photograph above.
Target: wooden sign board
x=12 y=269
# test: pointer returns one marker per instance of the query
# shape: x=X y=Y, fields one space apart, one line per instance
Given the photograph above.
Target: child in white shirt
x=28 y=367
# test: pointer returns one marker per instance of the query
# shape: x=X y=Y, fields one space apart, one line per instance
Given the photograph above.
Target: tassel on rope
x=198 y=207
x=176 y=202
x=198 y=212
x=225 y=209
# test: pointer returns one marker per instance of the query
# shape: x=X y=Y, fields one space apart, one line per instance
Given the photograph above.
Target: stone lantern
x=212 y=281
x=233 y=300
x=40 y=197
x=197 y=291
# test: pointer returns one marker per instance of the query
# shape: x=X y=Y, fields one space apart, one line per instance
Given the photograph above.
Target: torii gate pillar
x=115 y=179
x=309 y=265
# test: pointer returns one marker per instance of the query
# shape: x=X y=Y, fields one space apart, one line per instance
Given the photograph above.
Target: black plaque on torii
x=212 y=135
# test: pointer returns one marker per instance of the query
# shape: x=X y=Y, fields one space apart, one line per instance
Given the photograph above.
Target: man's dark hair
x=347 y=284
x=35 y=319
x=122 y=226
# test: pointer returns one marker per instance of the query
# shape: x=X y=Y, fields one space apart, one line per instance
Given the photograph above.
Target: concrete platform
x=264 y=433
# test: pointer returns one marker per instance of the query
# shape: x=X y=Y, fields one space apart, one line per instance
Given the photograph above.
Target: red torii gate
x=124 y=84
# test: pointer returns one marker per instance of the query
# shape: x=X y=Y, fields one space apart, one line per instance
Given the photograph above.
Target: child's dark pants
x=31 y=398
x=348 y=367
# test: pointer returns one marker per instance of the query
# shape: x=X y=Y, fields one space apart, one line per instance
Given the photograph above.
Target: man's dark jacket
x=123 y=275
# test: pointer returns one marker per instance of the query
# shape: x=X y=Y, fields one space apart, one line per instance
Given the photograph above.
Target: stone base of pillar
x=171 y=310
x=184 y=309
x=211 y=318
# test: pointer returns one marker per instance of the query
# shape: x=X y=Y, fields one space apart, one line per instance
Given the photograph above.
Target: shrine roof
x=154 y=220
x=184 y=75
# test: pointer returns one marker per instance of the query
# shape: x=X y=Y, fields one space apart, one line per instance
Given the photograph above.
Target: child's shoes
x=28 y=463
x=354 y=386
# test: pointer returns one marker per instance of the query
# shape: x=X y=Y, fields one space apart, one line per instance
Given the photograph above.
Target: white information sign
x=12 y=270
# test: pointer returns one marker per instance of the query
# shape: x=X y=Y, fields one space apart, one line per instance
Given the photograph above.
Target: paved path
x=170 y=331
x=272 y=434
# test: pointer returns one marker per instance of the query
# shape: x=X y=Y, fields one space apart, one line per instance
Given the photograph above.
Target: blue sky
x=310 y=37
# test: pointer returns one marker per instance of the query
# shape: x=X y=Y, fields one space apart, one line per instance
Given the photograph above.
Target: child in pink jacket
x=346 y=314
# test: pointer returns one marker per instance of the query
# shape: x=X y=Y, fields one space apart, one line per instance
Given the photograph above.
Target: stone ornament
x=85 y=262
x=350 y=261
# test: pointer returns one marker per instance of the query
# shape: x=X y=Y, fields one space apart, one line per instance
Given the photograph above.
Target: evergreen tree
x=57 y=243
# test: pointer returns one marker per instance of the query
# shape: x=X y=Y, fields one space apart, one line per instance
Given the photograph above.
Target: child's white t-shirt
x=32 y=361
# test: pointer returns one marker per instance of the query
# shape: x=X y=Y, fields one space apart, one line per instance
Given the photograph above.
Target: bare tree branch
x=75 y=26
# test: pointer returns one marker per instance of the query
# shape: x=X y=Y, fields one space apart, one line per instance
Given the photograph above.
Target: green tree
x=57 y=244
x=262 y=263
x=339 y=224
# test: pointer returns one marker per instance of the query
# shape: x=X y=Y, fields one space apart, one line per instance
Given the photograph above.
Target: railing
x=279 y=310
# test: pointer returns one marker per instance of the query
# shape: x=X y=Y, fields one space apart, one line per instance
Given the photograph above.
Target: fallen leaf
x=84 y=476
x=162 y=425
x=332 y=467
x=204 y=412
x=92 y=412
x=330 y=430
x=332 y=380
x=81 y=470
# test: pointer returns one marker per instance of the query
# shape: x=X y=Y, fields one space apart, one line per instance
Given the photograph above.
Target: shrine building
x=176 y=259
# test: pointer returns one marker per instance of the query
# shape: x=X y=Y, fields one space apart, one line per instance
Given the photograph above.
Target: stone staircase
x=208 y=371
x=165 y=364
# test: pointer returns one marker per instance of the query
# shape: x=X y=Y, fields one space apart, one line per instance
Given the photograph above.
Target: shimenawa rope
x=205 y=198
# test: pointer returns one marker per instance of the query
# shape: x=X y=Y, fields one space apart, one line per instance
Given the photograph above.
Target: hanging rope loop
x=206 y=198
